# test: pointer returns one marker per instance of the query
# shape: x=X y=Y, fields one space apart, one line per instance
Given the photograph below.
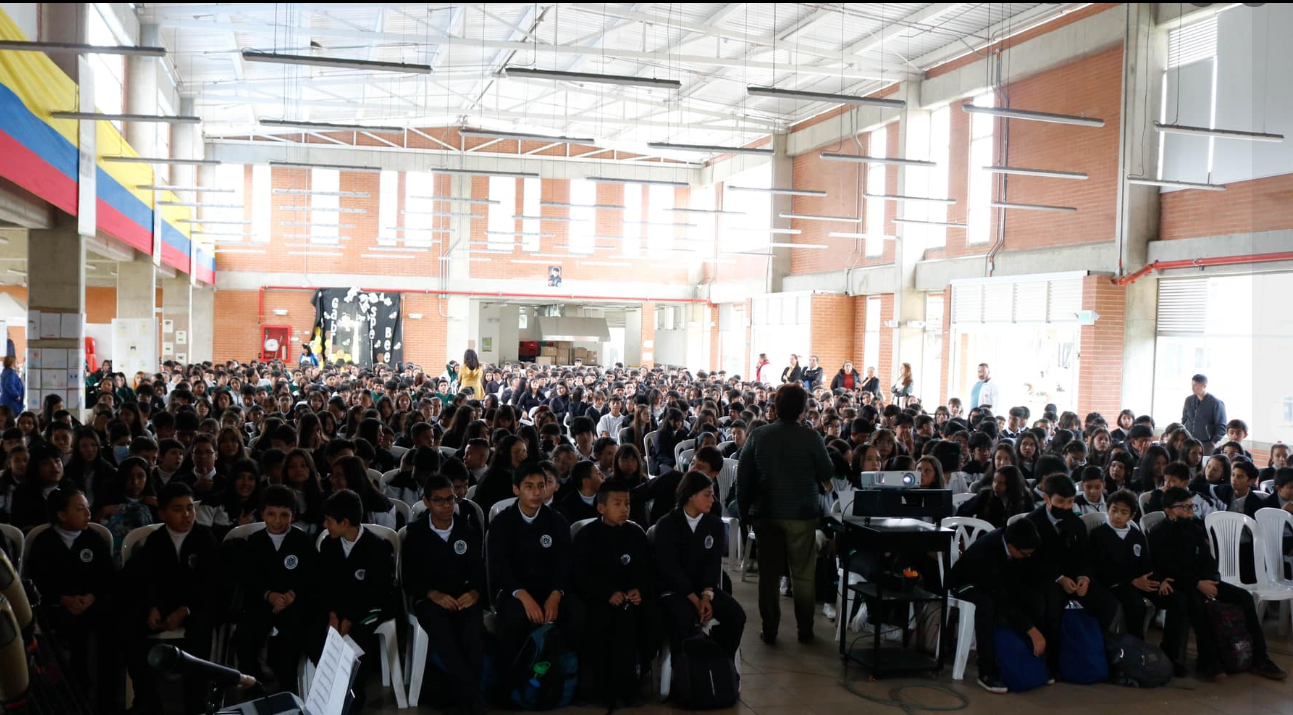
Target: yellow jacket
x=473 y=379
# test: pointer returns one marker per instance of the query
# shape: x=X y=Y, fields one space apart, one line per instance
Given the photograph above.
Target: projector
x=889 y=480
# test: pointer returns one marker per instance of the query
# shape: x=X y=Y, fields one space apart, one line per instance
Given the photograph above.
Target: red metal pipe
x=1203 y=262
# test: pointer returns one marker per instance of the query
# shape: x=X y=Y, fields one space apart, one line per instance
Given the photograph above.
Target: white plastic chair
x=398 y=452
x=722 y=446
x=647 y=441
x=726 y=483
x=1152 y=520
x=16 y=540
x=1273 y=523
x=681 y=447
x=1226 y=529
x=685 y=458
x=966 y=531
x=959 y=499
x=403 y=510
x=1015 y=518
x=499 y=506
x=1267 y=486
x=1144 y=500
x=579 y=525
x=1094 y=519
x=447 y=452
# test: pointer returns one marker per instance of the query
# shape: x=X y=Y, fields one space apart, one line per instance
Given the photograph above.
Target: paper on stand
x=332 y=677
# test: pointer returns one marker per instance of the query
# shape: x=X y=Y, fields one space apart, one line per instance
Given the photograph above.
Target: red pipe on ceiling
x=1201 y=263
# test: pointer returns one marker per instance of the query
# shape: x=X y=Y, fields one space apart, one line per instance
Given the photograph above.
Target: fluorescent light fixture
x=423 y=230
x=490 y=202
x=605 y=263
x=469 y=259
x=316 y=223
x=15 y=271
x=1044 y=173
x=484 y=172
x=857 y=159
x=328 y=209
x=415 y=316
x=91 y=267
x=315 y=240
x=280 y=311
x=871 y=236
x=466 y=214
x=1224 y=133
x=536 y=261
x=405 y=247
x=922 y=222
x=199 y=204
x=314 y=253
x=780 y=192
x=1032 y=207
x=199 y=189
x=156 y=118
x=219 y=236
x=819 y=217
x=549 y=255
x=333 y=62
x=524 y=136
x=716 y=260
x=258 y=251
x=711 y=149
x=327 y=126
x=308 y=192
x=1169 y=184
x=158 y=160
x=1029 y=115
x=564 y=205
x=521 y=233
x=775 y=231
x=799 y=245
x=651 y=182
x=528 y=73
x=129 y=50
x=386 y=255
x=714 y=212
x=309 y=165
x=661 y=224
x=215 y=223
x=852 y=99
x=563 y=219
x=899 y=197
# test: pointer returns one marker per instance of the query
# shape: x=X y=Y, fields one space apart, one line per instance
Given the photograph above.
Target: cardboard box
x=544 y=360
x=548 y=351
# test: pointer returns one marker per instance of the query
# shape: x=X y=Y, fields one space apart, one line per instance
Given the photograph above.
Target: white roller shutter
x=1030 y=302
x=1065 y=301
x=967 y=304
x=998 y=302
x=1016 y=302
x=1182 y=306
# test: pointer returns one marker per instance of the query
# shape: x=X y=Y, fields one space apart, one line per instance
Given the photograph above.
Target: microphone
x=169 y=659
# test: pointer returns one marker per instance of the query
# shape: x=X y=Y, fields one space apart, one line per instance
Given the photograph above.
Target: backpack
x=704 y=675
x=1230 y=629
x=545 y=673
x=1135 y=663
x=1082 y=657
x=1020 y=669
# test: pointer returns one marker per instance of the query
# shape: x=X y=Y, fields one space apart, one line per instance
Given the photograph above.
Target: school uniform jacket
x=355 y=586
x=573 y=507
x=1064 y=550
x=1254 y=501
x=663 y=490
x=986 y=566
x=1117 y=560
x=1181 y=551
x=84 y=568
x=688 y=562
x=453 y=567
x=610 y=559
x=169 y=580
x=534 y=557
x=293 y=566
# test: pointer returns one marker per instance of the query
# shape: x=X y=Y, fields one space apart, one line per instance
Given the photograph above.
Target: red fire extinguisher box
x=276 y=343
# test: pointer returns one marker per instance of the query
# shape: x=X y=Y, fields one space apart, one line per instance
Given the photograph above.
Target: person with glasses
x=1182 y=557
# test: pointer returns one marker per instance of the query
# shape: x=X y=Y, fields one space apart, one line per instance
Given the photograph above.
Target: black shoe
x=768 y=638
x=1267 y=669
x=992 y=685
x=807 y=637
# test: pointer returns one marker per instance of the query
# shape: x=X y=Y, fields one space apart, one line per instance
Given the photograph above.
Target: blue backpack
x=1082 y=655
x=545 y=673
x=1020 y=669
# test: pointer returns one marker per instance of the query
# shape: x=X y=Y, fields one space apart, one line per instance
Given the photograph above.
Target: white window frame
x=660 y=199
x=978 y=215
x=939 y=177
x=388 y=208
x=325 y=207
x=500 y=215
x=876 y=180
x=583 y=218
x=633 y=213
x=262 y=202
x=109 y=70
x=231 y=176
x=531 y=195
x=871 y=336
x=419 y=188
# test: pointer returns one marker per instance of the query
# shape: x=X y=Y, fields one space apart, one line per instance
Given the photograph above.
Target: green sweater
x=782 y=466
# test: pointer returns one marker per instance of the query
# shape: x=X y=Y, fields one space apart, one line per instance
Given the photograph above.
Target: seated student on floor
x=1122 y=563
x=443 y=572
x=1091 y=501
x=279 y=569
x=172 y=578
x=688 y=552
x=1182 y=553
x=530 y=566
x=993 y=576
x=581 y=502
x=357 y=578
x=72 y=567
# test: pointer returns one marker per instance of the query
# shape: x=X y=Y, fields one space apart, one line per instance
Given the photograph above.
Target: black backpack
x=1230 y=629
x=545 y=673
x=704 y=675
x=1135 y=663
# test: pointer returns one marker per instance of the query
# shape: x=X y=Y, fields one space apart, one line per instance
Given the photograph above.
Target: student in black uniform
x=456 y=472
x=581 y=502
x=688 y=553
x=1062 y=568
x=1183 y=554
x=443 y=574
x=991 y=574
x=357 y=578
x=613 y=566
x=530 y=566
x=279 y=570
x=44 y=475
x=73 y=570
x=175 y=574
x=1122 y=564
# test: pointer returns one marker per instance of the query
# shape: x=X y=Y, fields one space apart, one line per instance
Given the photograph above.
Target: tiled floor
x=791 y=679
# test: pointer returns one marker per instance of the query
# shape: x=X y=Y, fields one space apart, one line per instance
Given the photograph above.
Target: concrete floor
x=793 y=679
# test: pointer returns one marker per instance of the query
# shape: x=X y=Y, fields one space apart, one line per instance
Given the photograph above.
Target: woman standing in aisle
x=792 y=373
x=12 y=393
x=471 y=375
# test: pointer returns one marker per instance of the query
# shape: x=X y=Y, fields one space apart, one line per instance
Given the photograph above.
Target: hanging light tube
x=605 y=263
x=158 y=160
x=197 y=189
x=215 y=222
x=565 y=205
x=868 y=236
x=817 y=246
x=529 y=73
x=899 y=197
x=858 y=159
x=328 y=209
x=523 y=136
x=316 y=223
x=155 y=118
x=314 y=253
x=711 y=149
x=466 y=214
x=711 y=212
x=490 y=202
x=777 y=231
x=388 y=255
x=308 y=192
x=660 y=224
x=257 y=251
x=333 y=62
x=309 y=165
x=1044 y=173
x=851 y=99
x=1223 y=133
x=562 y=219
x=128 y=50
x=1029 y=115
x=199 y=204
x=1169 y=184
x=922 y=222
x=819 y=217
x=650 y=182
x=537 y=261
x=327 y=126
x=485 y=172
x=1032 y=207
x=780 y=192
x=521 y=233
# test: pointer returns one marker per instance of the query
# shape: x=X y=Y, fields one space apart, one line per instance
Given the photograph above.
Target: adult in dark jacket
x=812 y=375
x=792 y=372
x=12 y=393
x=1203 y=415
x=848 y=378
x=783 y=467
x=687 y=548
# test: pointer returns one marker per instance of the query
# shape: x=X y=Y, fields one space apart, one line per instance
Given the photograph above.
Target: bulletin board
x=134 y=345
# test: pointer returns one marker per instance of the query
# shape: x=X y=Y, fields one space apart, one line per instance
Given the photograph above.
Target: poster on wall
x=134 y=345
x=362 y=327
x=554 y=276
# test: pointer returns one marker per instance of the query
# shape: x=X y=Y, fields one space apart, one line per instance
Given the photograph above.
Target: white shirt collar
x=68 y=537
x=528 y=519
x=277 y=539
x=346 y=546
x=1122 y=533
x=443 y=534
x=693 y=522
x=589 y=499
x=177 y=538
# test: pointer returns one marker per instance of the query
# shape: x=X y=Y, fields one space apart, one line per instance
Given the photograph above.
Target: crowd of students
x=329 y=450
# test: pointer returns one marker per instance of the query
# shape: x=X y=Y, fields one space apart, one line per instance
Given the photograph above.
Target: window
x=979 y=212
x=932 y=377
x=388 y=205
x=499 y=222
x=419 y=188
x=583 y=220
x=747 y=231
x=109 y=70
x=230 y=176
x=163 y=139
x=659 y=233
x=531 y=194
x=632 y=219
x=262 y=197
x=875 y=184
x=1189 y=98
x=940 y=144
x=701 y=236
x=871 y=338
x=323 y=222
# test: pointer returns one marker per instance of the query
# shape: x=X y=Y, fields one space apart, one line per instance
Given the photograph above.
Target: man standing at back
x=984 y=392
x=812 y=375
x=1204 y=415
x=781 y=468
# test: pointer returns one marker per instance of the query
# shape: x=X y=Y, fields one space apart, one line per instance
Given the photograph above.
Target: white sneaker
x=829 y=611
x=785 y=586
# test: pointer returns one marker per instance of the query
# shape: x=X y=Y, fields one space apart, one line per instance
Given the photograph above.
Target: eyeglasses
x=1183 y=507
x=443 y=501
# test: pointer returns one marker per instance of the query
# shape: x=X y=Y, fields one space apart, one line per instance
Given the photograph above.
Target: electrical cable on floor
x=895 y=699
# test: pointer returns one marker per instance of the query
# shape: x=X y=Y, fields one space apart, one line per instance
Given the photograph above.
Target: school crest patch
x=625 y=559
x=545 y=541
x=360 y=574
x=709 y=542
x=86 y=556
x=460 y=547
x=290 y=562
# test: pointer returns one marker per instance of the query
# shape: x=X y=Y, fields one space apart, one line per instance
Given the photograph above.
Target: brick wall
x=831 y=335
x=946 y=370
x=424 y=339
x=885 y=369
x=1100 y=350
x=1244 y=207
x=648 y=334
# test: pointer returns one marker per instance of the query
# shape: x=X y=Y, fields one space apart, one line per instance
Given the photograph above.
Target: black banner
x=361 y=327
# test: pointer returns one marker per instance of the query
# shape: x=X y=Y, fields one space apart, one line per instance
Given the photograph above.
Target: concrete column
x=136 y=290
x=909 y=303
x=783 y=174
x=64 y=22
x=201 y=324
x=56 y=286
x=177 y=309
x=141 y=94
